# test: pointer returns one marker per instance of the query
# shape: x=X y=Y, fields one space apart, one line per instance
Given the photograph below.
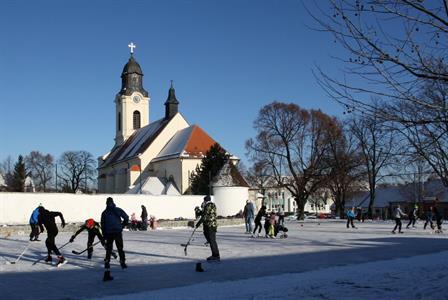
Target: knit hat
x=109 y=200
x=207 y=198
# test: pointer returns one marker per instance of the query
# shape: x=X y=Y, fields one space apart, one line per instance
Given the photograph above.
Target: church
x=155 y=157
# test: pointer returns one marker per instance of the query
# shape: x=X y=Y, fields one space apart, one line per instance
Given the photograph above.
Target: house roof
x=229 y=176
x=137 y=143
x=190 y=142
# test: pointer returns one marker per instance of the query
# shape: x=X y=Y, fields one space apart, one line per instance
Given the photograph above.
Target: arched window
x=119 y=121
x=136 y=119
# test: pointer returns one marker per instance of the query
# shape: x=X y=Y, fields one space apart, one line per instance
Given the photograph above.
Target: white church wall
x=230 y=200
x=188 y=166
x=16 y=208
x=167 y=168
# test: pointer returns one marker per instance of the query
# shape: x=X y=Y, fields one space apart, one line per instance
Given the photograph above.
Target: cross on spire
x=132 y=46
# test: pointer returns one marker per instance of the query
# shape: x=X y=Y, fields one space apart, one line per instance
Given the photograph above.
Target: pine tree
x=211 y=164
x=19 y=175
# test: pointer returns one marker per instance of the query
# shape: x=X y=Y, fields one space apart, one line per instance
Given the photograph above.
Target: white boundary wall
x=16 y=208
x=230 y=200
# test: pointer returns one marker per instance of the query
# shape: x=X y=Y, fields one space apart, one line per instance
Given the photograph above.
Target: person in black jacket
x=47 y=219
x=438 y=216
x=144 y=217
x=260 y=214
x=113 y=220
x=93 y=229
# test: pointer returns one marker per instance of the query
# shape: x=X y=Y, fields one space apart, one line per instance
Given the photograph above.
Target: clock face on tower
x=136 y=99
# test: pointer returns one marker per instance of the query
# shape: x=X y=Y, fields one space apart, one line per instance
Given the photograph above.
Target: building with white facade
x=152 y=157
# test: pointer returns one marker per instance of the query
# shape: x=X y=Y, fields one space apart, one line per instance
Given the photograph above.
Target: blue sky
x=61 y=62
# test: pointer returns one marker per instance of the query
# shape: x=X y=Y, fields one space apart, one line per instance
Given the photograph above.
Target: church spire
x=132 y=76
x=171 y=103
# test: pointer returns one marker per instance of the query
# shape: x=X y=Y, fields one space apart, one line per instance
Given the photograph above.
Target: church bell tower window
x=136 y=119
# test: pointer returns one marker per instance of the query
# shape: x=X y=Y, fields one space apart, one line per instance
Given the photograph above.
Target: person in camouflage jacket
x=210 y=226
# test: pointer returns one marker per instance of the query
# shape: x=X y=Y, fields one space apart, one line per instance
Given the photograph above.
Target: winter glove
x=63 y=224
x=72 y=239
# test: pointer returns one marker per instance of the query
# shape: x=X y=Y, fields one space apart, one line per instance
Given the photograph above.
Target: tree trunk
x=300 y=208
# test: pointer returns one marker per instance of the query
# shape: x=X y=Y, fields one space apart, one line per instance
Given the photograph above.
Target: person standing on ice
x=351 y=215
x=438 y=215
x=93 y=229
x=113 y=220
x=34 y=221
x=281 y=215
x=210 y=226
x=47 y=219
x=413 y=216
x=248 y=214
x=144 y=217
x=260 y=214
x=398 y=213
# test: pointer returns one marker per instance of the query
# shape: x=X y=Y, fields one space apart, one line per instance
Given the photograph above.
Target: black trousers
x=34 y=235
x=110 y=239
x=145 y=224
x=257 y=225
x=411 y=221
x=428 y=220
x=397 y=224
x=281 y=220
x=50 y=243
x=350 y=221
x=90 y=240
x=210 y=236
x=439 y=223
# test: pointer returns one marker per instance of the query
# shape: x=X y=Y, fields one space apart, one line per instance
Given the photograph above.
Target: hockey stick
x=189 y=240
x=20 y=255
x=35 y=262
x=81 y=252
x=114 y=255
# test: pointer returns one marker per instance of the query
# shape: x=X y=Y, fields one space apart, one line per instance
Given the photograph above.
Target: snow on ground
x=319 y=260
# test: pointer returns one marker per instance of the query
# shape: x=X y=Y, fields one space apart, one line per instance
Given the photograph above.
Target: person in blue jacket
x=113 y=220
x=34 y=220
x=350 y=217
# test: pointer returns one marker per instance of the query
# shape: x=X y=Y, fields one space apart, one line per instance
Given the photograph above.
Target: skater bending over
x=93 y=229
x=210 y=226
x=260 y=214
x=47 y=219
x=34 y=220
x=398 y=213
x=113 y=220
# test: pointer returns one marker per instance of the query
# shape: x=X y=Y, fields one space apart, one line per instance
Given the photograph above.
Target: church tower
x=132 y=102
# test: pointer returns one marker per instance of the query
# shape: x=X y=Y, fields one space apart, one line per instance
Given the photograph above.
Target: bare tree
x=76 y=167
x=41 y=168
x=376 y=143
x=391 y=64
x=7 y=169
x=292 y=142
x=258 y=175
x=345 y=164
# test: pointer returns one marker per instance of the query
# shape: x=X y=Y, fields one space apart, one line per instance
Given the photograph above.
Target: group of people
x=398 y=214
x=273 y=222
x=433 y=211
x=109 y=231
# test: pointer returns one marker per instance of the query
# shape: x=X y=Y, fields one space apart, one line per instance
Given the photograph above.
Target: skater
x=248 y=214
x=261 y=213
x=413 y=216
x=210 y=225
x=438 y=215
x=398 y=213
x=144 y=217
x=46 y=218
x=34 y=220
x=93 y=229
x=281 y=215
x=429 y=218
x=113 y=220
x=351 y=215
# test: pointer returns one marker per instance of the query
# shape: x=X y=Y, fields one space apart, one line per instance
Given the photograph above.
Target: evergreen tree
x=211 y=164
x=19 y=175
